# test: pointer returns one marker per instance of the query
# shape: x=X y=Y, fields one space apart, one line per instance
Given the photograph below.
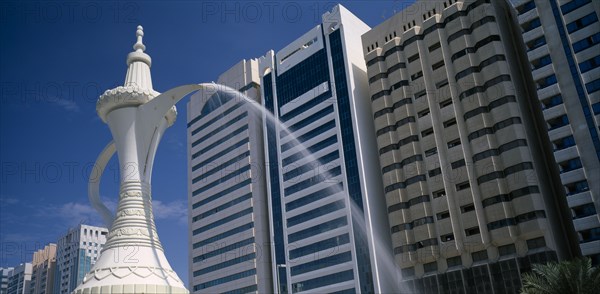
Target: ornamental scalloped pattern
x=122 y=96
x=131 y=194
x=134 y=212
x=125 y=271
x=129 y=232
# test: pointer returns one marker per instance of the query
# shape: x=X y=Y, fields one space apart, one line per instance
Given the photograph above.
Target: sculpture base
x=128 y=289
x=131 y=269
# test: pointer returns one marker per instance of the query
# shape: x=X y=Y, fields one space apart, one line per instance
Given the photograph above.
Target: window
x=589 y=235
x=541 y=62
x=413 y=58
x=437 y=65
x=552 y=101
x=443 y=215
x=530 y=25
x=420 y=94
x=439 y=193
x=536 y=43
x=546 y=82
x=435 y=172
x=582 y=22
x=320 y=263
x=447 y=237
x=467 y=208
x=472 y=231
x=321 y=245
x=416 y=75
x=427 y=132
x=572 y=5
x=536 y=243
x=583 y=210
x=434 y=47
x=458 y=163
x=222 y=221
x=593 y=86
x=449 y=123
x=596 y=108
x=453 y=143
x=321 y=281
x=475 y=48
x=526 y=7
x=569 y=165
x=314 y=213
x=454 y=261
x=507 y=250
x=441 y=84
x=557 y=122
x=430 y=267
x=563 y=143
x=423 y=113
x=589 y=64
x=446 y=103
x=318 y=229
x=430 y=152
x=408 y=272
x=586 y=43
x=462 y=186
x=479 y=255
x=576 y=187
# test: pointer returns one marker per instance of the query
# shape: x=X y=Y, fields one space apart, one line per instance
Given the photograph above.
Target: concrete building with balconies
x=562 y=40
x=473 y=197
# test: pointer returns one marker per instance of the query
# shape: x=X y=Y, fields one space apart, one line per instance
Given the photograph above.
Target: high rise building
x=5 y=272
x=43 y=268
x=473 y=197
x=322 y=171
x=19 y=278
x=562 y=40
x=228 y=216
x=76 y=252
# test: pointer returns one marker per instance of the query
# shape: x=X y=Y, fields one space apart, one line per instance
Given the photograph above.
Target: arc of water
x=94 y=183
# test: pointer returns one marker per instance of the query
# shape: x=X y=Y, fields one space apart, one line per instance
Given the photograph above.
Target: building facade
x=566 y=71
x=76 y=252
x=43 y=268
x=19 y=279
x=322 y=171
x=228 y=217
x=473 y=197
x=5 y=272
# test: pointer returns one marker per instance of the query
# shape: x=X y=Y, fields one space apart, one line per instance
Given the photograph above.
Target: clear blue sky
x=57 y=58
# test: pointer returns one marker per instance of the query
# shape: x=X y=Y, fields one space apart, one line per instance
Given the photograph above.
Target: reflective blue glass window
x=589 y=64
x=223 y=221
x=320 y=246
x=582 y=22
x=323 y=281
x=586 y=42
x=221 y=250
x=224 y=235
x=321 y=263
x=572 y=5
x=226 y=279
x=317 y=212
x=318 y=229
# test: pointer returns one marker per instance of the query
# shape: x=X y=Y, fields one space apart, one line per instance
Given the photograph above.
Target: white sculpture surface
x=133 y=260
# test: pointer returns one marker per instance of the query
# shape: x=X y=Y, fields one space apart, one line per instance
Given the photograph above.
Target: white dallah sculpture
x=132 y=260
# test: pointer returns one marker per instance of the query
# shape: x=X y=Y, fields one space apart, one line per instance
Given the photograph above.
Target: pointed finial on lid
x=139 y=46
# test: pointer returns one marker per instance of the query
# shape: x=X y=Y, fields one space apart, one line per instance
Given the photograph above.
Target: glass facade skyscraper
x=322 y=170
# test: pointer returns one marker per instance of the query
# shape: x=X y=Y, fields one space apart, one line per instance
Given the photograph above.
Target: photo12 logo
x=68 y=12
x=263 y=11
